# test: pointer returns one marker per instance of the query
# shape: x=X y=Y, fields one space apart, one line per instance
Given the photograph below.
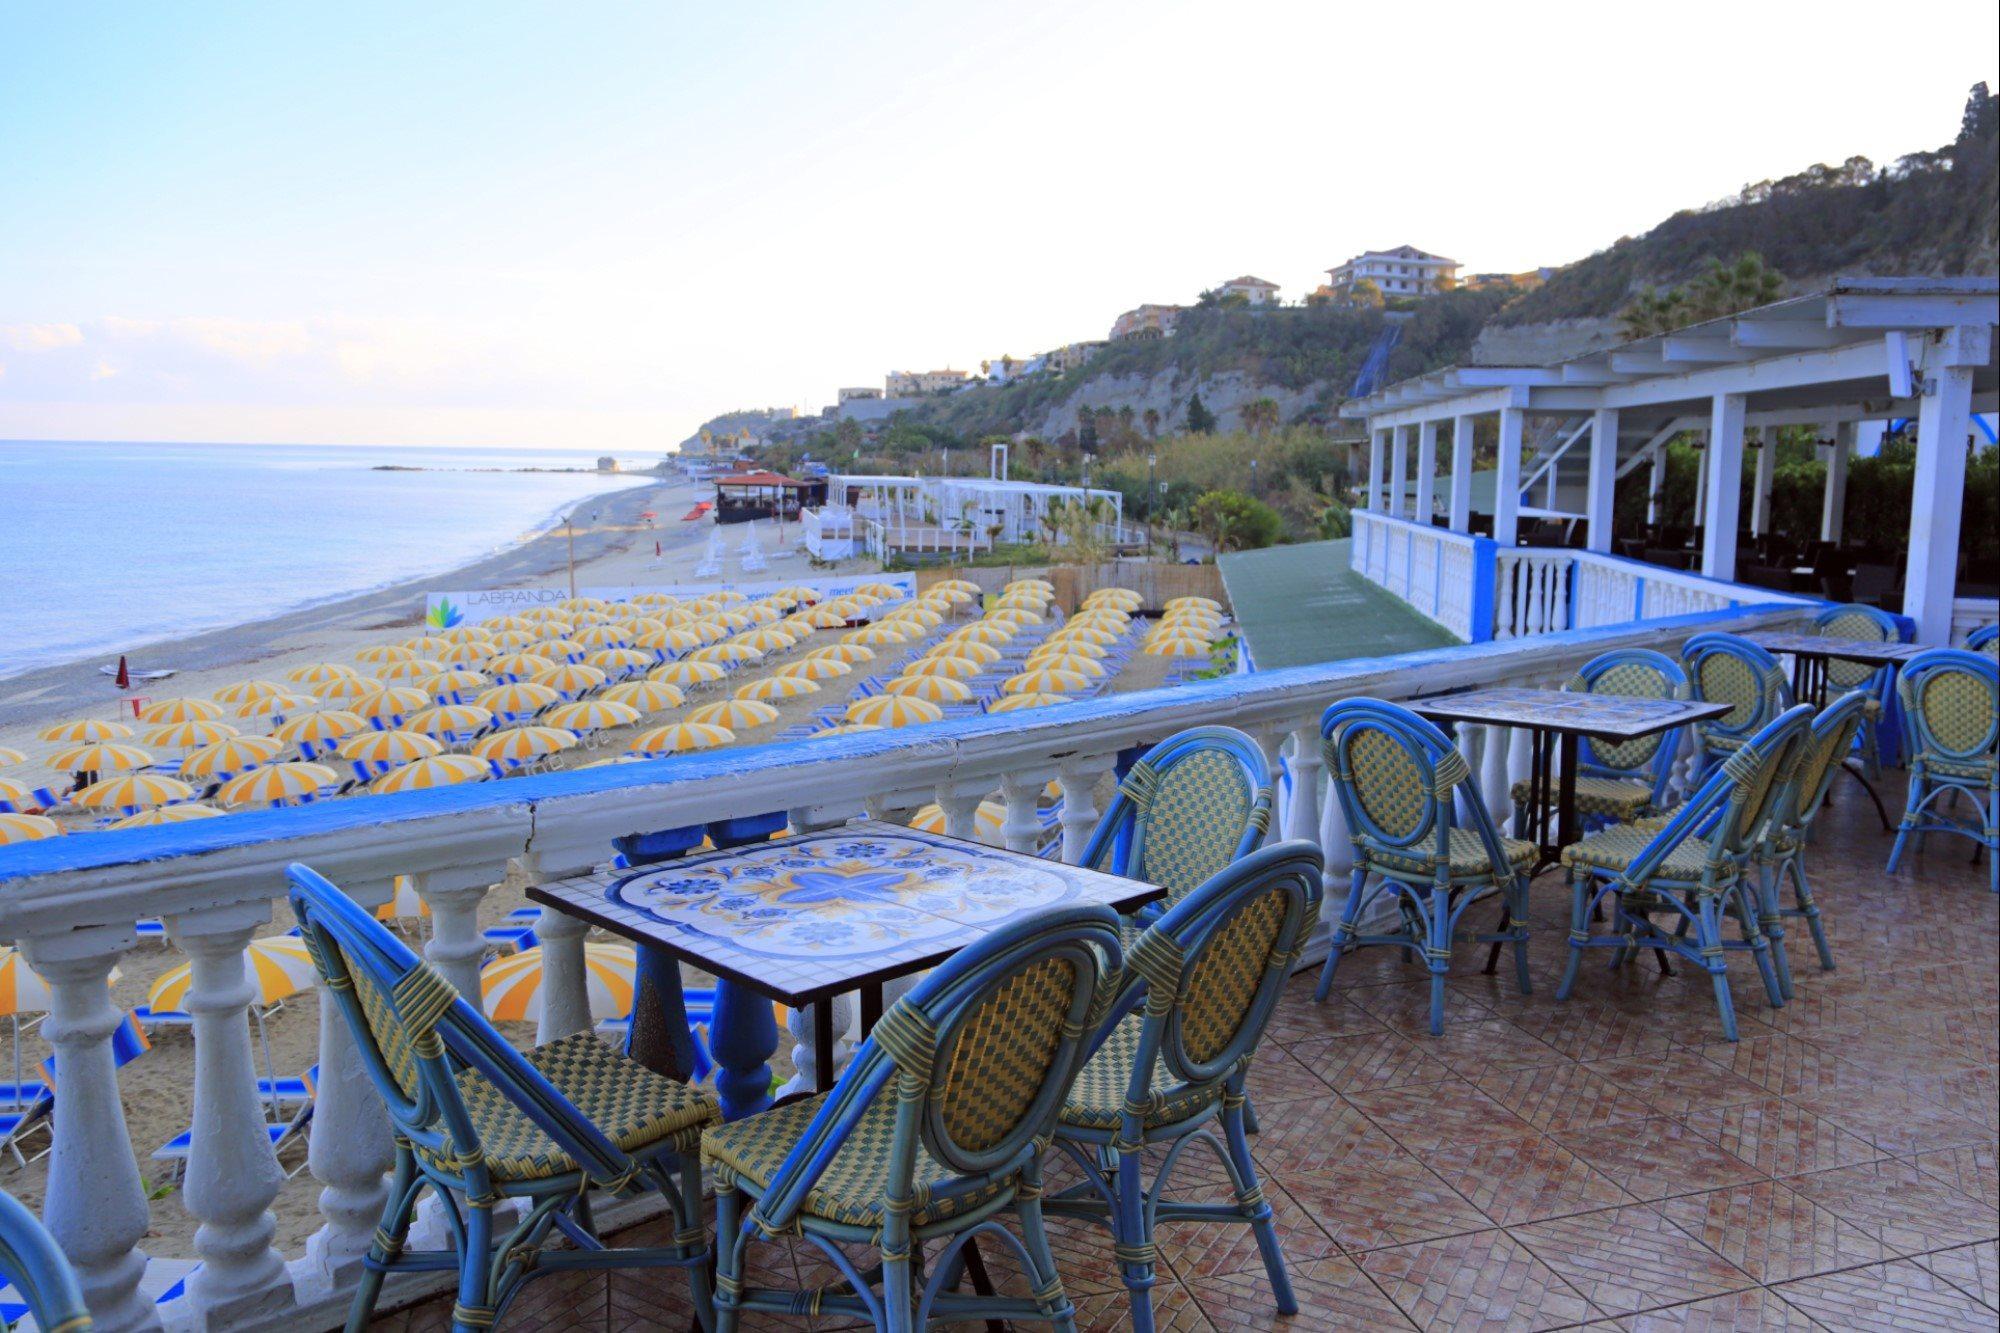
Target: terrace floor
x=1607 y=1161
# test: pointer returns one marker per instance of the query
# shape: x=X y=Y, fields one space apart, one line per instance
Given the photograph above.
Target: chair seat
x=1615 y=849
x=1468 y=856
x=1963 y=769
x=635 y=1108
x=1097 y=1100
x=852 y=1190
x=1611 y=798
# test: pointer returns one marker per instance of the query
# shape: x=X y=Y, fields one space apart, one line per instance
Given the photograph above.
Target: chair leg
x=729 y=1258
x=1795 y=867
x=1343 y=931
x=1250 y=1197
x=1579 y=930
x=388 y=1242
x=1133 y=1241
x=1744 y=897
x=1771 y=918
x=897 y=1301
x=689 y=1224
x=1708 y=936
x=1437 y=953
x=1049 y=1293
x=1521 y=936
x=1991 y=838
x=471 y=1312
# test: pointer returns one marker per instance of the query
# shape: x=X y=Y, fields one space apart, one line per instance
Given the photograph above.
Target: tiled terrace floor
x=1607 y=1161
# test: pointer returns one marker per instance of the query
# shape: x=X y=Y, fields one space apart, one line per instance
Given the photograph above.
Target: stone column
x=1601 y=494
x=1721 y=497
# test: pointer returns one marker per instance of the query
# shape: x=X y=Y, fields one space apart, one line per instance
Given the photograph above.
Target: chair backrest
x=1831 y=737
x=1725 y=669
x=1985 y=639
x=1397 y=778
x=1190 y=805
x=980 y=1053
x=35 y=1266
x=1734 y=803
x=1951 y=700
x=1212 y=968
x=1632 y=673
x=1855 y=622
x=415 y=1034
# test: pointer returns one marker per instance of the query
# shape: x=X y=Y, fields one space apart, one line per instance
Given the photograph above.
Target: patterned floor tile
x=1363 y=1060
x=1514 y=1179
x=1781 y=1138
x=1584 y=1031
x=1485 y=1279
x=1436 y=1114
x=1473 y=1050
x=1406 y=1006
x=1174 y=1311
x=1365 y=1208
x=1653 y=1159
x=1677 y=1081
x=1332 y=1293
x=1558 y=1098
x=1770 y=1232
x=1625 y=1260
x=1301 y=1018
x=1278 y=1075
x=1895 y=1119
x=1907 y=1210
x=1902 y=1296
x=1201 y=1251
x=1971 y=1170
x=1785 y=1065
x=1308 y=1137
x=1973 y=1269
x=1753 y=1311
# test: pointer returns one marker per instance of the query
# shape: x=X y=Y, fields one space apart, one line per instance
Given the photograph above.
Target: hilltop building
x=1254 y=290
x=1071 y=356
x=861 y=392
x=1403 y=271
x=1147 y=321
x=922 y=383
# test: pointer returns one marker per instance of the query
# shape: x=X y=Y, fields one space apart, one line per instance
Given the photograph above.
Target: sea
x=107 y=547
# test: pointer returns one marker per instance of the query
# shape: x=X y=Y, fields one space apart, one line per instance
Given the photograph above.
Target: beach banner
x=442 y=610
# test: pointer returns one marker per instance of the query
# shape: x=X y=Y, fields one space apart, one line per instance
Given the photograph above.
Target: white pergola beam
x=1784 y=335
x=1677 y=349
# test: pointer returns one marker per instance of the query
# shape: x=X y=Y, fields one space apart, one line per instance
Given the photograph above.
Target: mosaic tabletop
x=1608 y=716
x=1871 y=652
x=805 y=917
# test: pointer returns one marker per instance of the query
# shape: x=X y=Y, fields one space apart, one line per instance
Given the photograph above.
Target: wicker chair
x=1951 y=705
x=37 y=1269
x=1694 y=866
x=934 y=1131
x=1780 y=855
x=1985 y=639
x=1623 y=781
x=1204 y=980
x=1722 y=668
x=1187 y=808
x=1421 y=833
x=1866 y=623
x=478 y=1123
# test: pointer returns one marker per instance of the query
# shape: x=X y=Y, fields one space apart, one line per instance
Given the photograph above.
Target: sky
x=594 y=225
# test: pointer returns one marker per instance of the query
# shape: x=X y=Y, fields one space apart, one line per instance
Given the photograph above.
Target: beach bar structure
x=891 y=515
x=741 y=497
x=1866 y=350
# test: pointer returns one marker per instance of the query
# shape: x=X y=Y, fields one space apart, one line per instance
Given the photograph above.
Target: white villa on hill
x=1403 y=271
x=1254 y=290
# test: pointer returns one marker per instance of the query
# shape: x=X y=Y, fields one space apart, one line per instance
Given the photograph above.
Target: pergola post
x=1833 y=501
x=1507 y=484
x=1375 y=469
x=1943 y=418
x=1760 y=491
x=1701 y=454
x=1722 y=499
x=1656 y=486
x=1425 y=503
x=1399 y=470
x=1602 y=486
x=1461 y=474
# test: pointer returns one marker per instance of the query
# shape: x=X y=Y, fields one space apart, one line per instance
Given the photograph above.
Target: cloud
x=40 y=337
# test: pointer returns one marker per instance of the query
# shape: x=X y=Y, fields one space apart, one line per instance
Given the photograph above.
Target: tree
x=1365 y=294
x=1200 y=421
x=1086 y=430
x=1234 y=521
x=1982 y=114
x=1152 y=420
x=1741 y=284
x=1260 y=414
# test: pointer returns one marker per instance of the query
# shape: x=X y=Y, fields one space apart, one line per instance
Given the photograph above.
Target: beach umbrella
x=986 y=819
x=728 y=596
x=1046 y=680
x=725 y=652
x=958 y=668
x=558 y=649
x=387 y=707
x=846 y=653
x=99 y=757
x=84 y=730
x=1061 y=661
x=777 y=687
x=956 y=585
x=129 y=792
x=660 y=641
x=1096 y=635
x=277 y=784
x=9 y=755
x=452 y=687
x=985 y=654
x=735 y=714
x=893 y=710
x=881 y=636
x=654 y=599
x=501 y=624
x=382 y=653
x=815 y=668
x=602 y=636
x=619 y=661
x=235 y=754
x=20 y=798
x=672 y=617
x=648 y=696
x=767 y=640
x=466 y=654
x=189 y=735
x=243 y=691
x=914 y=614
x=515 y=666
x=511 y=987
x=591 y=715
x=513 y=640
x=1126 y=597
x=27 y=828
x=344 y=689
x=845 y=729
x=679 y=736
x=317 y=673
x=1040 y=585
x=466 y=634
x=1013 y=615
x=762 y=613
x=799 y=592
x=373 y=751
x=1079 y=647
x=1206 y=603
x=521 y=745
x=276 y=706
x=1176 y=647
x=426 y=645
x=708 y=631
x=985 y=631
x=184 y=813
x=826 y=617
x=942 y=597
x=1033 y=600
x=1014 y=703
x=162 y=711
x=570 y=679
x=888 y=592
x=405 y=903
x=409 y=668
x=684 y=673
x=732 y=620
x=520 y=698
x=280 y=966
x=450 y=722
x=319 y=729
x=937 y=689
x=583 y=604
x=439 y=770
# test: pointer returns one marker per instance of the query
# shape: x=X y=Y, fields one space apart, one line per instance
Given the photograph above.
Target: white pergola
x=1865 y=349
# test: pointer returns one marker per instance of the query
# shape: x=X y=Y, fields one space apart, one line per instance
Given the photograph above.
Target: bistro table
x=802 y=919
x=1810 y=654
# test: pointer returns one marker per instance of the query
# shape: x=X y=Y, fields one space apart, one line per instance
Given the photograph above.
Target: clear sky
x=596 y=224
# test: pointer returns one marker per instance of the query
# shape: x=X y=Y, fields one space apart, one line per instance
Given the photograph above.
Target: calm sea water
x=108 y=546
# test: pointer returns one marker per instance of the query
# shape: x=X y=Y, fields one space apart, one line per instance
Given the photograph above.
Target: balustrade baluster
x=1520 y=761
x=456 y=947
x=1022 y=829
x=1302 y=820
x=1079 y=779
x=1493 y=779
x=565 y=982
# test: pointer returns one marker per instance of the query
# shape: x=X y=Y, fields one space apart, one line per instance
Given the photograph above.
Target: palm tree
x=1152 y=419
x=1260 y=414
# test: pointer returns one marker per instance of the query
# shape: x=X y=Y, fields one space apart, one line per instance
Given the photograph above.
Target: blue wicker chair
x=1985 y=639
x=1843 y=678
x=37 y=1269
x=480 y=1122
x=1722 y=668
x=1205 y=978
x=1781 y=855
x=934 y=1132
x=1421 y=833
x=1951 y=705
x=1693 y=866
x=1626 y=780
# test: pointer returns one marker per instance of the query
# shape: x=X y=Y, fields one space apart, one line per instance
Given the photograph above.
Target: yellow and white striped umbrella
x=500 y=624
x=1123 y=598
x=915 y=614
x=520 y=698
x=735 y=714
x=685 y=673
x=799 y=592
x=316 y=673
x=584 y=604
x=942 y=597
x=827 y=617
x=389 y=748
x=619 y=661
x=132 y=791
x=22 y=990
x=1061 y=661
x=733 y=621
x=1032 y=598
x=243 y=691
x=277 y=705
x=391 y=704
x=189 y=735
x=570 y=679
x=1013 y=703
x=511 y=986
x=380 y=654
x=728 y=653
x=983 y=631
x=19 y=796
x=761 y=613
x=162 y=711
x=466 y=634
x=1074 y=647
x=666 y=640
x=1013 y=615
x=469 y=654
x=708 y=631
x=956 y=585
x=881 y=636
x=1206 y=603
x=1176 y=647
x=679 y=736
x=280 y=967
x=236 y=754
x=27 y=828
x=985 y=654
x=1046 y=680
x=1191 y=615
x=277 y=784
x=986 y=820
x=513 y=640
x=409 y=668
x=888 y=592
x=937 y=689
x=9 y=755
x=427 y=644
x=84 y=730
x=602 y=636
x=558 y=649
x=405 y=903
x=1036 y=585
x=893 y=710
x=648 y=696
x=453 y=686
x=848 y=653
x=766 y=640
x=329 y=724
x=439 y=770
x=816 y=668
x=1096 y=635
x=519 y=745
x=99 y=757
x=345 y=689
x=508 y=667
x=777 y=687
x=957 y=668
x=184 y=813
x=655 y=599
x=844 y=729
x=591 y=715
x=449 y=722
